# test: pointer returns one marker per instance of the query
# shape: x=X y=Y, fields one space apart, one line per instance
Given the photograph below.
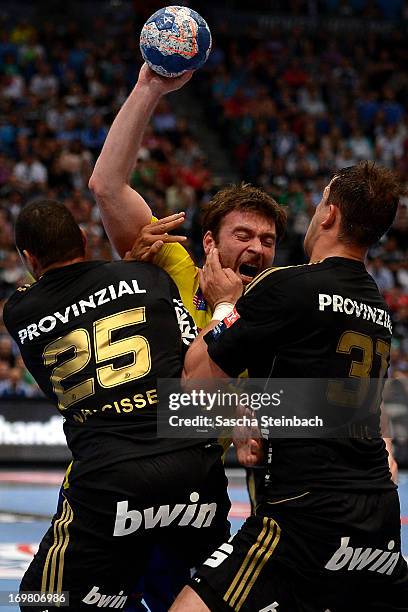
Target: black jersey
x=96 y=336
x=323 y=320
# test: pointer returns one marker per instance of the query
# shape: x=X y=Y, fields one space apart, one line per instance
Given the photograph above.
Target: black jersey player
x=97 y=336
x=327 y=532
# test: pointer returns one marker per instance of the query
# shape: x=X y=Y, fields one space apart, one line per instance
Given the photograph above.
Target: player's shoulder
x=128 y=269
x=20 y=294
x=19 y=299
x=284 y=274
x=174 y=255
x=139 y=266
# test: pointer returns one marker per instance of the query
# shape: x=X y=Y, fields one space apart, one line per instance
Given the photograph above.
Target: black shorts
x=255 y=482
x=315 y=552
x=108 y=523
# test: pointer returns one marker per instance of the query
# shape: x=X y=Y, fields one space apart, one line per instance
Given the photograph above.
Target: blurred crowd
x=290 y=108
x=363 y=9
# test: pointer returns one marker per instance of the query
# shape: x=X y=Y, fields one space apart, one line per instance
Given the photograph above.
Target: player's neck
x=59 y=264
x=338 y=250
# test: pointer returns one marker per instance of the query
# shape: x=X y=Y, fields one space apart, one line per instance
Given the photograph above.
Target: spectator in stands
x=381 y=274
x=6 y=351
x=30 y=173
x=15 y=386
x=93 y=136
x=43 y=84
x=4 y=370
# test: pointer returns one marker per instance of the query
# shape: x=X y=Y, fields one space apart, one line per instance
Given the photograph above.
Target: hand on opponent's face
x=219 y=284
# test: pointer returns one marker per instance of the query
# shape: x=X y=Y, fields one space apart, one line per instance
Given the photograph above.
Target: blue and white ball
x=175 y=39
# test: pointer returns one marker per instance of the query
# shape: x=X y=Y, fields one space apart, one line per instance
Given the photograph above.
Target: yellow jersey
x=176 y=261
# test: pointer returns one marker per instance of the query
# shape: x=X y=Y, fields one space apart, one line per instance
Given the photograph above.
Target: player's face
x=246 y=243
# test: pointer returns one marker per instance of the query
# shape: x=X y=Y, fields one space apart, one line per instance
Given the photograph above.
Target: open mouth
x=250 y=270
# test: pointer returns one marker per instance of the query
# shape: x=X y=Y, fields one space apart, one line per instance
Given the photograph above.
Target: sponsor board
x=31 y=430
x=15 y=559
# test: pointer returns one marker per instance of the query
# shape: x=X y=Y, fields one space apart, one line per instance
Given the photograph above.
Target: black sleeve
x=7 y=315
x=260 y=317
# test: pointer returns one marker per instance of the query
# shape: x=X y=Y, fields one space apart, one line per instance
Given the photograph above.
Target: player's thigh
x=386 y=594
x=190 y=486
x=245 y=573
x=211 y=526
x=77 y=556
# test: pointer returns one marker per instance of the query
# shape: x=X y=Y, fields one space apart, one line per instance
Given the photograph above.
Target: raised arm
x=387 y=437
x=124 y=211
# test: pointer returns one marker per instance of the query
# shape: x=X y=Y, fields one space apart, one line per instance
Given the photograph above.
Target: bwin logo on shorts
x=372 y=559
x=104 y=601
x=194 y=515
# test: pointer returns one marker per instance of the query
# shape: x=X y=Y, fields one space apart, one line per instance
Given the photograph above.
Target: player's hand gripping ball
x=175 y=39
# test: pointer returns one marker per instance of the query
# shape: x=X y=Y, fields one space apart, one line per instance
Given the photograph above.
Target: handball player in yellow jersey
x=243 y=222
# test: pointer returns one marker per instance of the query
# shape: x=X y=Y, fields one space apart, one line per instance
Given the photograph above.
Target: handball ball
x=175 y=39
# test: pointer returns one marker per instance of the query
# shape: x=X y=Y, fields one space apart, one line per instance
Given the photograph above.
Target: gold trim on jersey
x=253 y=563
x=269 y=271
x=281 y=501
x=65 y=484
x=54 y=563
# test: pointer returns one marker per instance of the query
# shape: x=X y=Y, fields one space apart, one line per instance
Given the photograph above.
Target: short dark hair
x=243 y=198
x=47 y=229
x=367 y=196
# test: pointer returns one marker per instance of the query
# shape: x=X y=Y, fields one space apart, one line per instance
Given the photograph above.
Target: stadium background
x=292 y=91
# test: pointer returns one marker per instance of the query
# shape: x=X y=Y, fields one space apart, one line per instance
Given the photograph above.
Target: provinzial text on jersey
x=100 y=297
x=352 y=308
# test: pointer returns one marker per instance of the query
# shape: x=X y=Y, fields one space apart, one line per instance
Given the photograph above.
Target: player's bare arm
x=387 y=437
x=392 y=464
x=189 y=601
x=152 y=236
x=249 y=451
x=198 y=364
x=124 y=211
x=247 y=441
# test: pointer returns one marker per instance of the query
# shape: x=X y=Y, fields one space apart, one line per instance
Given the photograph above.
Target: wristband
x=222 y=310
